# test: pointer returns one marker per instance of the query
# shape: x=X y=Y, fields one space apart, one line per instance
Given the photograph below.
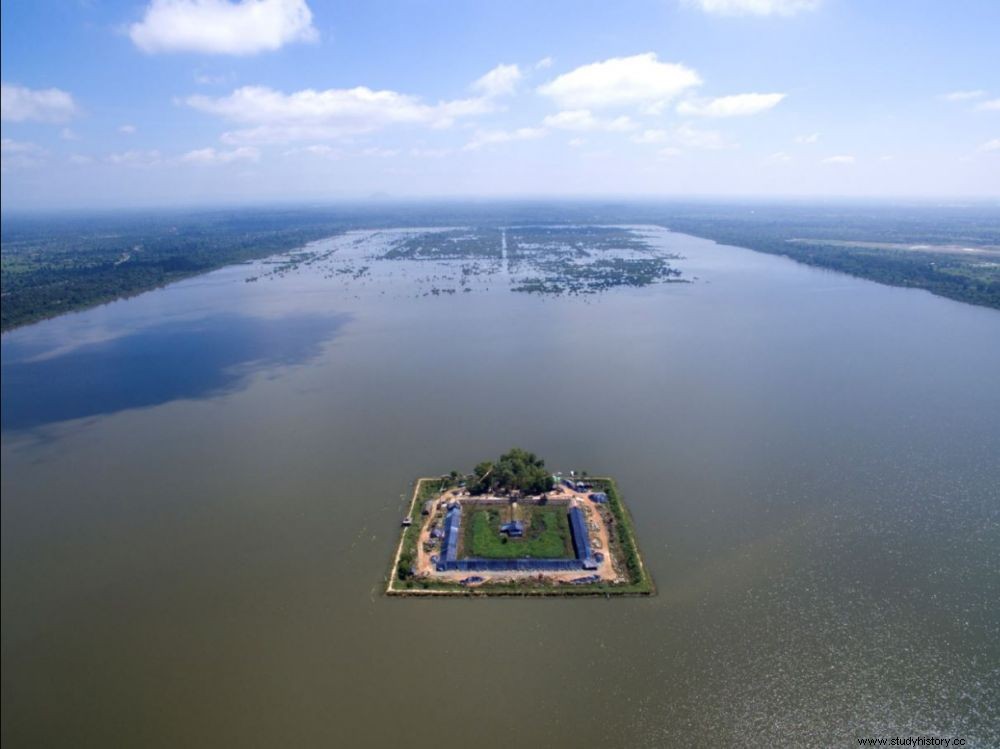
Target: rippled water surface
x=202 y=488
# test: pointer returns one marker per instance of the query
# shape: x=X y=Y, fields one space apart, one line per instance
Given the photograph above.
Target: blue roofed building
x=449 y=544
x=513 y=529
x=581 y=541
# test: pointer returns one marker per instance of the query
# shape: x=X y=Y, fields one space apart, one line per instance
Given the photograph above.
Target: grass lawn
x=547 y=535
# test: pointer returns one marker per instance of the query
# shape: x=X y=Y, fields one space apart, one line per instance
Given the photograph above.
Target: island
x=513 y=528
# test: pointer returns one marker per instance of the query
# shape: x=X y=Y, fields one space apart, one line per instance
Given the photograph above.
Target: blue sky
x=184 y=102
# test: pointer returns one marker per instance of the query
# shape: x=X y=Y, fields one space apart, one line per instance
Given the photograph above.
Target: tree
x=516 y=470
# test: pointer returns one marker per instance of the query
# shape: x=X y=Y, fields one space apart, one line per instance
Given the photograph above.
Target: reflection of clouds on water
x=152 y=365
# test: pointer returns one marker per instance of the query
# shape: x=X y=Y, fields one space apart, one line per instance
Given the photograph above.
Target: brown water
x=202 y=488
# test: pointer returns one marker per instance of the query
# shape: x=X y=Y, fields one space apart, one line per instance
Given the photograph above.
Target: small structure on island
x=599 y=497
x=513 y=529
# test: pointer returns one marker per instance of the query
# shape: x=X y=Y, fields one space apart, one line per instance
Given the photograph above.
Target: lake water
x=202 y=488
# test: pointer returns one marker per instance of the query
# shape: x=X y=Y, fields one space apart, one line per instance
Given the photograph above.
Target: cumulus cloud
x=841 y=159
x=501 y=81
x=991 y=145
x=640 y=80
x=276 y=117
x=738 y=105
x=21 y=104
x=807 y=139
x=245 y=27
x=993 y=105
x=964 y=95
x=583 y=119
x=127 y=129
x=755 y=7
x=213 y=156
x=490 y=137
x=545 y=62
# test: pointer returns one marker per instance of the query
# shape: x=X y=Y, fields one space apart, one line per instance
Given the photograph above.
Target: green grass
x=546 y=537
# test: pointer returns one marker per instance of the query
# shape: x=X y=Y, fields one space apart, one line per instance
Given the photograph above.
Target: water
x=202 y=488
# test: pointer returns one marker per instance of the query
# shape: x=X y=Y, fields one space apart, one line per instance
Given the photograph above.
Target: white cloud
x=136 y=158
x=640 y=80
x=685 y=136
x=584 y=120
x=708 y=140
x=489 y=137
x=652 y=136
x=963 y=95
x=430 y=153
x=779 y=157
x=68 y=134
x=545 y=62
x=222 y=27
x=738 y=105
x=842 y=159
x=576 y=142
x=380 y=153
x=501 y=81
x=805 y=140
x=317 y=149
x=17 y=146
x=127 y=129
x=993 y=105
x=991 y=145
x=16 y=154
x=80 y=160
x=20 y=104
x=206 y=79
x=669 y=152
x=213 y=156
x=276 y=117
x=756 y=7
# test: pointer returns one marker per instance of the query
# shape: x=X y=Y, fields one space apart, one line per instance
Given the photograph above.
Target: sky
x=218 y=102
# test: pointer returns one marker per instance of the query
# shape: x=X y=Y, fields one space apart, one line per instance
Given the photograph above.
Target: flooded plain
x=202 y=488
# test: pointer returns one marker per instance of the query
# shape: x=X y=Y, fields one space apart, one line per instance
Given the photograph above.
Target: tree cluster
x=516 y=470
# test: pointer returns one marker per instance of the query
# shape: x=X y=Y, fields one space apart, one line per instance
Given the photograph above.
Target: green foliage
x=805 y=234
x=427 y=489
x=57 y=265
x=404 y=566
x=516 y=470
